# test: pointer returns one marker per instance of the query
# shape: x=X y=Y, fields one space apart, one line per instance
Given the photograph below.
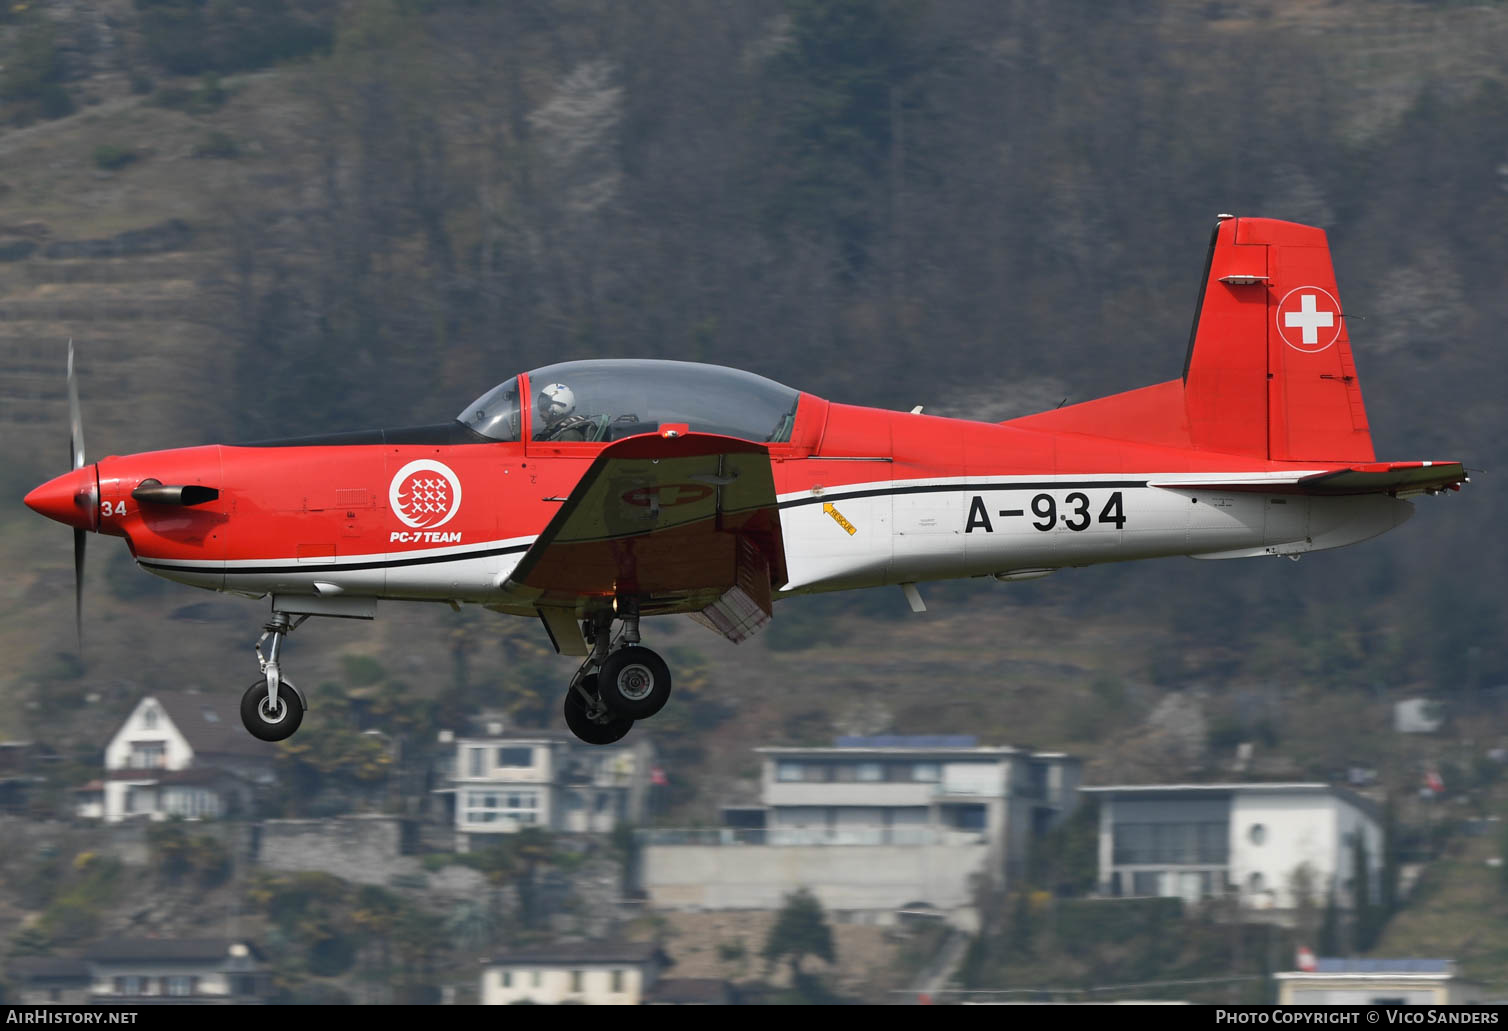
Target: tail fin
x=1269 y=370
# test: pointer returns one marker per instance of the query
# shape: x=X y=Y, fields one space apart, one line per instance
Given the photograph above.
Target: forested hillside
x=362 y=214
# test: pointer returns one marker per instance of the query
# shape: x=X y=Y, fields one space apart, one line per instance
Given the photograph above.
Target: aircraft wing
x=1397 y=478
x=686 y=523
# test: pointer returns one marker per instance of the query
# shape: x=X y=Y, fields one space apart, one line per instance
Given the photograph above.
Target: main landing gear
x=272 y=708
x=621 y=681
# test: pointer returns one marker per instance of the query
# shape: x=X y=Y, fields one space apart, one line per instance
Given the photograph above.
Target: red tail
x=1269 y=371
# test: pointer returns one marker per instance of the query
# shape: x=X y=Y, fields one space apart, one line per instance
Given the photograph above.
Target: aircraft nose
x=72 y=499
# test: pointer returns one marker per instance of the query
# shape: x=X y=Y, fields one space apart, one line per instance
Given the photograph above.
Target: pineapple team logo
x=425 y=494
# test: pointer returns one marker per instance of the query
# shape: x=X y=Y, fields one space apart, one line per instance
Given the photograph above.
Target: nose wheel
x=272 y=708
x=268 y=721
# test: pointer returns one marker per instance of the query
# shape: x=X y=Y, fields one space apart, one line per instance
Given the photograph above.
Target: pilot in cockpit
x=558 y=419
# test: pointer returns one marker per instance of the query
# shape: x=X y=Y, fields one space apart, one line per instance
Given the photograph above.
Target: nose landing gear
x=620 y=682
x=272 y=708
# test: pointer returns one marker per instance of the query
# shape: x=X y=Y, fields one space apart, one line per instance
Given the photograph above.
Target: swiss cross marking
x=1309 y=319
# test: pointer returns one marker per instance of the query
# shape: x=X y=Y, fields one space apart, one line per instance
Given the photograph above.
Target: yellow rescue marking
x=827 y=506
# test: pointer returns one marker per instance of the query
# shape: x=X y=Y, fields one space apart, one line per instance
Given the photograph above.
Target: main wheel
x=266 y=724
x=635 y=682
x=589 y=730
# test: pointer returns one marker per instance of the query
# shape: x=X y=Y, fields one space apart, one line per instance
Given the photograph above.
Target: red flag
x=657 y=777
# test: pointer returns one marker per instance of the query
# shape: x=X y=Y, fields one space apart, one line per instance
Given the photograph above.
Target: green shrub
x=31 y=83
x=362 y=670
x=218 y=145
x=190 y=37
x=112 y=158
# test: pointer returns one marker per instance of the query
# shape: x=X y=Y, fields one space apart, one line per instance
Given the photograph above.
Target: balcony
x=800 y=836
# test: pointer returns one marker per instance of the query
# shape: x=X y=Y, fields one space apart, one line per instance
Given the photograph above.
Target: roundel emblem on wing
x=425 y=494
x=1309 y=319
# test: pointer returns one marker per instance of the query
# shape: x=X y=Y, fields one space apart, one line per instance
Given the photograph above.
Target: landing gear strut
x=621 y=681
x=272 y=708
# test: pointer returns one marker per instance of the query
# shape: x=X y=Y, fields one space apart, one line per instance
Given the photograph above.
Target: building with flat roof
x=177 y=970
x=593 y=973
x=873 y=826
x=1376 y=982
x=502 y=782
x=1266 y=841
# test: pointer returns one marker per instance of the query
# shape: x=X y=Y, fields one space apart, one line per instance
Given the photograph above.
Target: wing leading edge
x=683 y=523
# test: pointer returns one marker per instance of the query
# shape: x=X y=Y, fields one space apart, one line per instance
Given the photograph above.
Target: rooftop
x=1435 y=969
x=167 y=949
x=1367 y=805
x=580 y=952
x=48 y=968
x=211 y=724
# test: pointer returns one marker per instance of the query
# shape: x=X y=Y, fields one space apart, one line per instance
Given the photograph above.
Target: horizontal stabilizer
x=1397 y=478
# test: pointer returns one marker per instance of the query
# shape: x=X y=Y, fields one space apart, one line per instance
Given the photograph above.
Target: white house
x=503 y=782
x=873 y=827
x=594 y=973
x=1376 y=982
x=176 y=970
x=181 y=754
x=1265 y=840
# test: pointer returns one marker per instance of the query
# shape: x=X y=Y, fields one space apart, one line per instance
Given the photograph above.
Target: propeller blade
x=80 y=542
x=75 y=416
x=80 y=538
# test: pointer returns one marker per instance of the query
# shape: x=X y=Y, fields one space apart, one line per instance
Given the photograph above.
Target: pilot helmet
x=555 y=402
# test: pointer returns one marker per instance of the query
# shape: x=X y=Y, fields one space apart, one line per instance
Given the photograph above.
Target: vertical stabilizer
x=1269 y=371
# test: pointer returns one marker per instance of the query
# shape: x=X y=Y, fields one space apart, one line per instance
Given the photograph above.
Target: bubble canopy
x=614 y=398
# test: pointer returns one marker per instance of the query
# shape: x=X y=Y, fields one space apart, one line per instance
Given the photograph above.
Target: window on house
x=515 y=757
x=477 y=758
x=576 y=978
x=149 y=717
x=130 y=985
x=493 y=806
x=179 y=984
x=536 y=980
x=928 y=773
x=149 y=755
x=507 y=976
x=617 y=981
x=871 y=772
x=789 y=772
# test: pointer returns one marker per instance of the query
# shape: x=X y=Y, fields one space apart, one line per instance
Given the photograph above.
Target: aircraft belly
x=464 y=579
x=842 y=542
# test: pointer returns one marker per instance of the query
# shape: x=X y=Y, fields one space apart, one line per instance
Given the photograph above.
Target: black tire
x=254 y=712
x=590 y=731
x=635 y=682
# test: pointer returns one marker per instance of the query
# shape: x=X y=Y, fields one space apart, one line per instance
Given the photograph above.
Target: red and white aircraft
x=589 y=494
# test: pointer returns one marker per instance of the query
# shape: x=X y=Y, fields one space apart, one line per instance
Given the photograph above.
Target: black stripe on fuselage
x=979 y=488
x=338 y=567
x=931 y=488
x=444 y=433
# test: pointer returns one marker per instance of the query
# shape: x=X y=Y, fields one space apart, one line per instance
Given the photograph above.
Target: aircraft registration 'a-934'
x=589 y=494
